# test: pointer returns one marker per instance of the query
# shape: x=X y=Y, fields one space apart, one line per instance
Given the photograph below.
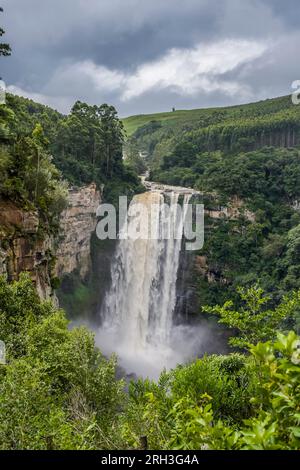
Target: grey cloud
x=49 y=37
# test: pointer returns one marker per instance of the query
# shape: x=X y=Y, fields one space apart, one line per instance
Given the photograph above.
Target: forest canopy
x=59 y=392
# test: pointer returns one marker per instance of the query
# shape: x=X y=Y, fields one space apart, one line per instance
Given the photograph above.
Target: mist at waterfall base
x=186 y=343
x=138 y=310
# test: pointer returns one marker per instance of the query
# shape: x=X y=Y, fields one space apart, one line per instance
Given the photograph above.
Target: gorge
x=149 y=264
x=138 y=311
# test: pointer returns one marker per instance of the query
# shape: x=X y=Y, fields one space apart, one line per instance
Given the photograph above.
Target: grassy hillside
x=270 y=123
x=194 y=116
x=132 y=123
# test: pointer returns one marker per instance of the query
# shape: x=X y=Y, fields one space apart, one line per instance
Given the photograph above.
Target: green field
x=132 y=123
x=170 y=119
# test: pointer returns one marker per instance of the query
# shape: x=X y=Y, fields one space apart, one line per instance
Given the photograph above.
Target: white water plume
x=138 y=310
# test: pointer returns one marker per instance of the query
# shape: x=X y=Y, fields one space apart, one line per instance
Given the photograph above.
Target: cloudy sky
x=150 y=55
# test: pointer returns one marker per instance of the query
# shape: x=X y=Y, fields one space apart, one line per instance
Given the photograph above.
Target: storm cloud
x=146 y=56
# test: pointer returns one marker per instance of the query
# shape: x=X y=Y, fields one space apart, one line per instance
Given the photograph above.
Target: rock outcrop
x=23 y=248
x=78 y=222
x=234 y=209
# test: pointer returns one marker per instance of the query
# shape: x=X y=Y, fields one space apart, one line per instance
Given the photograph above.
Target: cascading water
x=137 y=312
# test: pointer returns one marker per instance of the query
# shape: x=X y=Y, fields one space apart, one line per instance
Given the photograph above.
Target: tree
x=293 y=246
x=112 y=133
x=133 y=157
x=57 y=391
x=89 y=143
x=254 y=321
x=5 y=49
x=31 y=179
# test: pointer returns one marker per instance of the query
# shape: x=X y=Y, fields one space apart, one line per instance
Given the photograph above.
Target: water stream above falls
x=138 y=310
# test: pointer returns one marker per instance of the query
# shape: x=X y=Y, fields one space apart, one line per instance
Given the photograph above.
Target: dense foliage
x=264 y=387
x=256 y=321
x=133 y=157
x=257 y=240
x=42 y=152
x=258 y=244
x=245 y=127
x=29 y=178
x=58 y=392
x=86 y=145
x=245 y=158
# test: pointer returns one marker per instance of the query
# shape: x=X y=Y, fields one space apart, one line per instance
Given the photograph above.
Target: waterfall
x=137 y=312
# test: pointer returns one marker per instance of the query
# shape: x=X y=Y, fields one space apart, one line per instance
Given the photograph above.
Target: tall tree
x=112 y=136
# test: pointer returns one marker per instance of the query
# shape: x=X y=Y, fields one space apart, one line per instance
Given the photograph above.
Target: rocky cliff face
x=24 y=248
x=78 y=222
x=187 y=302
x=191 y=264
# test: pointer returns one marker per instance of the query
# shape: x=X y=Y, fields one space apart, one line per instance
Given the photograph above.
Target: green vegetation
x=133 y=158
x=29 y=178
x=132 y=123
x=255 y=322
x=233 y=129
x=196 y=118
x=43 y=152
x=193 y=419
x=58 y=392
x=257 y=241
x=245 y=158
x=86 y=145
x=244 y=251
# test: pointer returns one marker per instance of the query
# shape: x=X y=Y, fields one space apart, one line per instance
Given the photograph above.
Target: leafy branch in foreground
x=275 y=422
x=57 y=391
x=254 y=321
